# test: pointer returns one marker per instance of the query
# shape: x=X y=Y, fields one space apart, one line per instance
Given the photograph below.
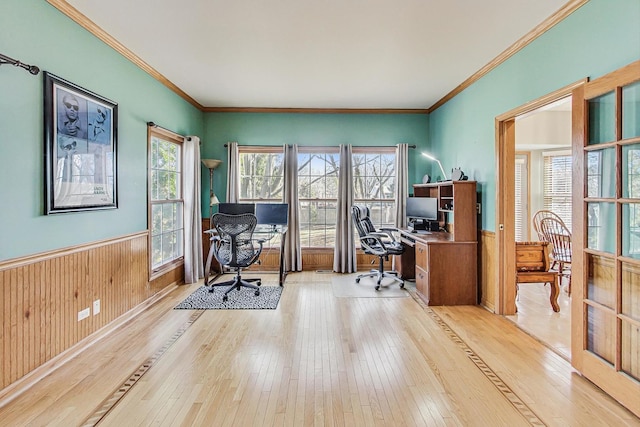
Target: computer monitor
x=421 y=208
x=272 y=213
x=236 y=208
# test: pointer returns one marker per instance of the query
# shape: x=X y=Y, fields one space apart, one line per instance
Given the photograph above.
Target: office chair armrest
x=387 y=237
x=389 y=232
x=260 y=242
x=213 y=234
x=380 y=249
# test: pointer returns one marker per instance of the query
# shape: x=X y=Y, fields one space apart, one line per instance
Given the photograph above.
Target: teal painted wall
x=368 y=130
x=601 y=36
x=34 y=32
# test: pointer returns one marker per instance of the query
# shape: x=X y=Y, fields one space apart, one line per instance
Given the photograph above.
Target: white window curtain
x=402 y=184
x=233 y=173
x=292 y=249
x=344 y=253
x=193 y=267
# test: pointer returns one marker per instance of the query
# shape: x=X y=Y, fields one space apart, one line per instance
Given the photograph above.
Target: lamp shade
x=211 y=163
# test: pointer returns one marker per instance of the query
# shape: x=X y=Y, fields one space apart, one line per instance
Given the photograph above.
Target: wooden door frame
x=505 y=192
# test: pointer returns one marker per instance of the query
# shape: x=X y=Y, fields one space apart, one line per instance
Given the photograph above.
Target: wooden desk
x=214 y=269
x=445 y=270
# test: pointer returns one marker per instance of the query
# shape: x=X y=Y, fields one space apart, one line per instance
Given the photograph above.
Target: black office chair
x=234 y=247
x=381 y=243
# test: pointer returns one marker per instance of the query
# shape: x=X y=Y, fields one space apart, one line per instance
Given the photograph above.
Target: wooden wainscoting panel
x=487 y=269
x=317 y=259
x=366 y=262
x=43 y=294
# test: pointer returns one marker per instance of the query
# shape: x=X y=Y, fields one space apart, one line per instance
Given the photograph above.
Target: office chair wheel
x=257 y=292
x=401 y=285
x=224 y=298
x=357 y=280
x=377 y=287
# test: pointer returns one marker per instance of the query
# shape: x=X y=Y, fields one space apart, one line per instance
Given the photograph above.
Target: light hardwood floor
x=316 y=360
x=536 y=317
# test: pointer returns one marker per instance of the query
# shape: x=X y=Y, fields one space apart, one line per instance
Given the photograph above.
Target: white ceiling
x=317 y=54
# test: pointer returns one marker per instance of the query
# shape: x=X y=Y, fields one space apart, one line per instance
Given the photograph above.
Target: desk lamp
x=211 y=164
x=430 y=157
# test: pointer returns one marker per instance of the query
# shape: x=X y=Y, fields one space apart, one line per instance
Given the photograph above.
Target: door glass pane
x=631 y=230
x=601 y=176
x=602 y=119
x=601 y=280
x=631 y=171
x=601 y=333
x=631 y=290
x=601 y=226
x=631 y=110
x=630 y=353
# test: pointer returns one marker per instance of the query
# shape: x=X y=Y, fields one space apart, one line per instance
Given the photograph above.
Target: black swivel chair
x=234 y=247
x=380 y=243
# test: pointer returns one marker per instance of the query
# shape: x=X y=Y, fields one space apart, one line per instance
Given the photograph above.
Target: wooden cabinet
x=457 y=210
x=446 y=272
x=445 y=263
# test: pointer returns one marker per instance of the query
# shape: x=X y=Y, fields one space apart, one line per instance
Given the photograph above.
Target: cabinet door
x=422 y=270
x=422 y=284
x=422 y=256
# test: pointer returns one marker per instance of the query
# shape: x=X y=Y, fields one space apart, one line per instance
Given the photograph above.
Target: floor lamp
x=211 y=164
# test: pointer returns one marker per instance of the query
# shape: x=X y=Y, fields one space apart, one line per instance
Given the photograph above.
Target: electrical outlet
x=83 y=314
x=96 y=307
x=479 y=208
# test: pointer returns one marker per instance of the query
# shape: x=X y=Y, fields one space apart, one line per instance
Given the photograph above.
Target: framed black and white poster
x=80 y=130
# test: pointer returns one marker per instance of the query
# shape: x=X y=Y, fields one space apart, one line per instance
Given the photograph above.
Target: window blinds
x=557 y=185
x=521 y=198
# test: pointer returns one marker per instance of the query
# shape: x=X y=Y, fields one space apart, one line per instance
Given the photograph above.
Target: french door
x=606 y=231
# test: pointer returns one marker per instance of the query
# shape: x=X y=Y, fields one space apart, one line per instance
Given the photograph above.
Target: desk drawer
x=422 y=256
x=422 y=283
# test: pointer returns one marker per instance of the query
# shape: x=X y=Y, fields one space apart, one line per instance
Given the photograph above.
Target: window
x=262 y=181
x=165 y=199
x=261 y=174
x=374 y=181
x=261 y=177
x=522 y=197
x=557 y=184
x=318 y=170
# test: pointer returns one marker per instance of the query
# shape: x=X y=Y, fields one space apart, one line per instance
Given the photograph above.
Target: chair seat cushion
x=395 y=248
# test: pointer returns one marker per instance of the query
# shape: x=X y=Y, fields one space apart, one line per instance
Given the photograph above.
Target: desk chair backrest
x=556 y=232
x=538 y=217
x=234 y=246
x=362 y=220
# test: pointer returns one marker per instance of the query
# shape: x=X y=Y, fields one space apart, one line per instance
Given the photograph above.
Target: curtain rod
x=30 y=68
x=153 y=125
x=227 y=145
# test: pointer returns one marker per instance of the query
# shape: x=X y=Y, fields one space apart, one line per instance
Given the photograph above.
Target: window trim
x=525 y=158
x=377 y=151
x=315 y=150
x=546 y=156
x=167 y=135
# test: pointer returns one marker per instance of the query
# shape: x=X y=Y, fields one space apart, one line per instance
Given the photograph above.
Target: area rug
x=243 y=299
x=345 y=286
